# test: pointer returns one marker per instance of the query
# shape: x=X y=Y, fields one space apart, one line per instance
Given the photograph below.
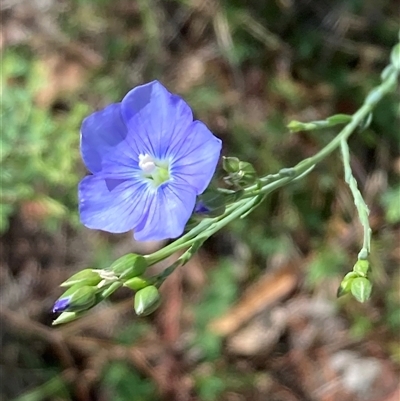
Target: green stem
x=211 y=225
x=362 y=208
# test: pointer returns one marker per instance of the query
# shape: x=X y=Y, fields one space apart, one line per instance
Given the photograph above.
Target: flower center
x=153 y=169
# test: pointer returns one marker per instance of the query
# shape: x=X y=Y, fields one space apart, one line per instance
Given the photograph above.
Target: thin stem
x=211 y=225
x=362 y=208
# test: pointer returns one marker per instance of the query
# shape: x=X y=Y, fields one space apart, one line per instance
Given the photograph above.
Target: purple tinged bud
x=211 y=202
x=201 y=208
x=61 y=305
x=76 y=298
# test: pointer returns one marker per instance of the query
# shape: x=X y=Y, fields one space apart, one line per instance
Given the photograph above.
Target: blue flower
x=149 y=161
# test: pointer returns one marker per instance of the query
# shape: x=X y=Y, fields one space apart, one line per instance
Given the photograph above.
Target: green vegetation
x=247 y=69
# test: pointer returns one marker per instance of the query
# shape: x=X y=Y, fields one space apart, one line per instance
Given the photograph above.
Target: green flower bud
x=108 y=290
x=67 y=317
x=339 y=119
x=137 y=283
x=211 y=203
x=84 y=277
x=240 y=173
x=345 y=285
x=361 y=289
x=230 y=164
x=361 y=267
x=130 y=265
x=147 y=300
x=296 y=126
x=76 y=298
x=247 y=173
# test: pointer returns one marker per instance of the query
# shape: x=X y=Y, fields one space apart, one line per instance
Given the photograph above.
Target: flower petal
x=196 y=160
x=168 y=212
x=100 y=132
x=113 y=205
x=155 y=118
x=61 y=305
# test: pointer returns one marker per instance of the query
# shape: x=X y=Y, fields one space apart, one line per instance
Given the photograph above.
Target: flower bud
x=147 y=300
x=76 y=298
x=66 y=317
x=345 y=285
x=239 y=173
x=84 y=277
x=137 y=283
x=230 y=164
x=210 y=202
x=128 y=266
x=361 y=267
x=361 y=289
x=247 y=174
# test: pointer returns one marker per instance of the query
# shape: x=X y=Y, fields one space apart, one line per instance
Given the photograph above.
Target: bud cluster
x=240 y=173
x=88 y=287
x=357 y=282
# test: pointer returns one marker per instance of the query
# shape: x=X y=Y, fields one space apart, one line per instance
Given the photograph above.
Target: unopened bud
x=66 y=317
x=361 y=267
x=137 y=283
x=361 y=289
x=230 y=164
x=345 y=285
x=147 y=300
x=76 y=299
x=84 y=277
x=210 y=202
x=128 y=266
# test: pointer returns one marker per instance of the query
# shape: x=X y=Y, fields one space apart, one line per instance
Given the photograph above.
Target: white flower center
x=155 y=170
x=147 y=164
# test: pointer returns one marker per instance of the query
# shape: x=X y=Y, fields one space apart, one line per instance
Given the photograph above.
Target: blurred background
x=254 y=315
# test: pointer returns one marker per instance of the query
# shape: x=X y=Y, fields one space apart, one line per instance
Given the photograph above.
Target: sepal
x=361 y=289
x=137 y=283
x=130 y=265
x=67 y=317
x=239 y=173
x=84 y=277
x=212 y=203
x=76 y=298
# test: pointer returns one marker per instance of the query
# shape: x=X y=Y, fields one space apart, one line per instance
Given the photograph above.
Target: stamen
x=147 y=164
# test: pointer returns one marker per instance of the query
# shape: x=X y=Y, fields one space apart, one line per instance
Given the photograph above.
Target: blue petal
x=168 y=212
x=113 y=205
x=155 y=119
x=61 y=305
x=100 y=133
x=196 y=159
x=122 y=162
